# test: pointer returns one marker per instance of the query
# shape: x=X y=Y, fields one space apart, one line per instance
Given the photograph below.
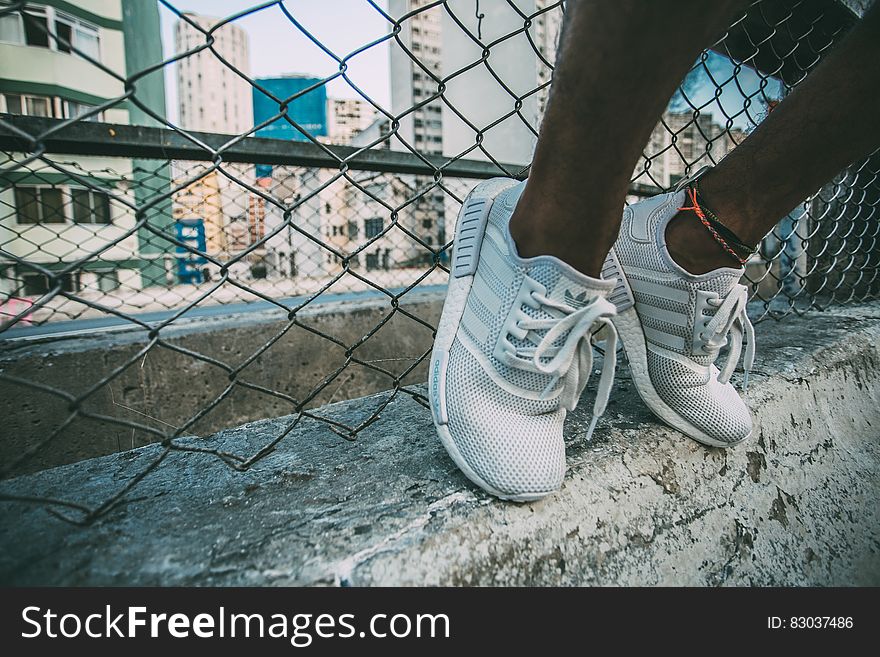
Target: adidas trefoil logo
x=578 y=301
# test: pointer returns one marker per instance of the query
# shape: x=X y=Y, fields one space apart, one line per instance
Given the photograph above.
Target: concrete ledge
x=640 y=505
x=164 y=389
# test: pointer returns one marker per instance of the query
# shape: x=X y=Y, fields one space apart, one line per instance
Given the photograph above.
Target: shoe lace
x=572 y=361
x=731 y=319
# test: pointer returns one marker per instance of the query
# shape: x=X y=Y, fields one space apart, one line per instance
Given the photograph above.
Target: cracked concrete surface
x=641 y=504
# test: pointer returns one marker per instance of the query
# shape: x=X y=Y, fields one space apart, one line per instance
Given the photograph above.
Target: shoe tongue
x=568 y=286
x=721 y=281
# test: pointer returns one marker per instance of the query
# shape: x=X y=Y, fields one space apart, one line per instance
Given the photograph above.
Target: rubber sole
x=629 y=329
x=450 y=318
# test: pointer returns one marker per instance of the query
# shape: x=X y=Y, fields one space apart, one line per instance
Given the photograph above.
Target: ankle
x=584 y=254
x=693 y=248
x=730 y=205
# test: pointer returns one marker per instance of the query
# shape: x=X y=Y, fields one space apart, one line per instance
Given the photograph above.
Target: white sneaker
x=673 y=333
x=512 y=352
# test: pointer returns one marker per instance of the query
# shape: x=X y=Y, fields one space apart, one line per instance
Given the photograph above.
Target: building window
x=27 y=105
x=107 y=280
x=39 y=205
x=38 y=284
x=35 y=28
x=86 y=38
x=11 y=30
x=372 y=261
x=73 y=109
x=31 y=105
x=427 y=223
x=47 y=205
x=373 y=227
x=90 y=207
x=352 y=230
x=35 y=285
x=70 y=32
x=64 y=31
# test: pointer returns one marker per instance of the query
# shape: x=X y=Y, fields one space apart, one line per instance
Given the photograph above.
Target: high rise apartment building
x=504 y=95
x=411 y=77
x=413 y=84
x=211 y=96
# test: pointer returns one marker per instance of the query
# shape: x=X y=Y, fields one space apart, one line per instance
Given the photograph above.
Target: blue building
x=309 y=111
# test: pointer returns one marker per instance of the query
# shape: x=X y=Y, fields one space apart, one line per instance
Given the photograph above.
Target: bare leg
x=619 y=63
x=828 y=122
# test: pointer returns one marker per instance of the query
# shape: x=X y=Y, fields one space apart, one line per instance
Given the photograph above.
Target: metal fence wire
x=114 y=216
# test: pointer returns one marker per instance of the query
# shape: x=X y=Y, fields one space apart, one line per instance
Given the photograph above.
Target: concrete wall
x=641 y=504
x=164 y=389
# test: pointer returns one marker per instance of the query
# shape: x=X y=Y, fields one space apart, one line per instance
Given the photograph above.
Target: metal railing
x=103 y=223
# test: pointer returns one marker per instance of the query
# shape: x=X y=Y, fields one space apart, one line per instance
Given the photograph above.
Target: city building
x=308 y=111
x=143 y=48
x=363 y=220
x=48 y=217
x=502 y=119
x=414 y=82
x=333 y=121
x=293 y=251
x=680 y=145
x=375 y=133
x=414 y=76
x=212 y=97
x=347 y=117
x=199 y=200
x=498 y=124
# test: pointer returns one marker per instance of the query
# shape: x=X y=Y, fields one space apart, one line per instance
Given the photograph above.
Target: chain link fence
x=113 y=216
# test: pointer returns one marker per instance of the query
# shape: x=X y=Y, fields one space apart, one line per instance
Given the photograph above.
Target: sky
x=700 y=85
x=277 y=47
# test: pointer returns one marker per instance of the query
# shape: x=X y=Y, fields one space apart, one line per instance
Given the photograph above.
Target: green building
x=47 y=217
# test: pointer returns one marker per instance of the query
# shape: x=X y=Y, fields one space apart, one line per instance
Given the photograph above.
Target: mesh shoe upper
x=686 y=320
x=520 y=358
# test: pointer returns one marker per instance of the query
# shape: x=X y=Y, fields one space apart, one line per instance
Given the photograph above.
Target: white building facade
x=347 y=117
x=503 y=121
x=211 y=96
x=48 y=217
